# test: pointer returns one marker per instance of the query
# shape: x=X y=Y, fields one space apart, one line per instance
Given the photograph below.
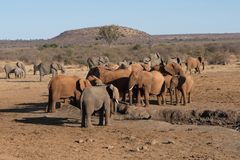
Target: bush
x=136 y=47
x=218 y=58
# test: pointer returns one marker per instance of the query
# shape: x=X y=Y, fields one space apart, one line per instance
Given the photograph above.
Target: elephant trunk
x=113 y=108
x=203 y=65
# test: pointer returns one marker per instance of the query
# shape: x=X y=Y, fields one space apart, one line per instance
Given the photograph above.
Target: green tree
x=109 y=34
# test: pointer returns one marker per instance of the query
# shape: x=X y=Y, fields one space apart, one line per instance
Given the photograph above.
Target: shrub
x=218 y=58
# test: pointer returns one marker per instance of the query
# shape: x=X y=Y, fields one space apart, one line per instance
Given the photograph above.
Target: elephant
x=23 y=68
x=112 y=66
x=10 y=68
x=119 y=78
x=150 y=83
x=184 y=84
x=102 y=98
x=153 y=59
x=175 y=60
x=35 y=68
x=169 y=69
x=96 y=61
x=65 y=87
x=45 y=69
x=194 y=63
x=125 y=64
x=19 y=73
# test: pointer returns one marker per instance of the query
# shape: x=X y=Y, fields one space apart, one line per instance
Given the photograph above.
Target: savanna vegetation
x=118 y=43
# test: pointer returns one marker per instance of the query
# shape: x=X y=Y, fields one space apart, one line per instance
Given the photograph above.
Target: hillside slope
x=88 y=36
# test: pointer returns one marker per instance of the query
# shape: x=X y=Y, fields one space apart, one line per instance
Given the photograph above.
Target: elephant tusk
x=131 y=88
x=116 y=101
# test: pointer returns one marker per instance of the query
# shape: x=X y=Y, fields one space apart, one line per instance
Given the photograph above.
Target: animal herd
x=106 y=83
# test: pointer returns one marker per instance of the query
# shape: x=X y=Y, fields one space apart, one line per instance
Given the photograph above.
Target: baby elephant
x=19 y=72
x=98 y=98
x=184 y=85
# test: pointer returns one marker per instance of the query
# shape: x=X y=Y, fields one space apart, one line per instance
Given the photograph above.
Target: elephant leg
x=171 y=98
x=146 y=95
x=139 y=97
x=101 y=115
x=89 y=111
x=83 y=123
x=184 y=97
x=158 y=99
x=176 y=96
x=107 y=115
x=189 y=97
x=163 y=95
x=89 y=123
x=53 y=106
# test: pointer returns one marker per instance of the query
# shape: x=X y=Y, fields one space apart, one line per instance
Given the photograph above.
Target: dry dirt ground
x=27 y=132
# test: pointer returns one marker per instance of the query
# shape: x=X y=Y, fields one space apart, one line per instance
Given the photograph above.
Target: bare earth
x=27 y=132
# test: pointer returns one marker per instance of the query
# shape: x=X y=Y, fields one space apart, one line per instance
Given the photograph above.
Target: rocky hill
x=88 y=36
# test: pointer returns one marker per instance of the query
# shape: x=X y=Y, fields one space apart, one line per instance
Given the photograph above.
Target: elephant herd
x=19 y=69
x=104 y=86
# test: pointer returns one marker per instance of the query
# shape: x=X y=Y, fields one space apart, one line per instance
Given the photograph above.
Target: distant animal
x=65 y=87
x=19 y=73
x=183 y=84
x=10 y=68
x=96 y=61
x=102 y=98
x=148 y=82
x=45 y=69
x=194 y=63
x=23 y=68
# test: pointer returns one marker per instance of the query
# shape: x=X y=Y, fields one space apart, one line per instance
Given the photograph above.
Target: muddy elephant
x=194 y=63
x=98 y=98
x=12 y=68
x=65 y=87
x=96 y=61
x=119 y=78
x=182 y=84
x=148 y=82
x=45 y=69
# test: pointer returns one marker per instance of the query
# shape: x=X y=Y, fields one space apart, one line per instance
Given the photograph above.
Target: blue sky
x=37 y=19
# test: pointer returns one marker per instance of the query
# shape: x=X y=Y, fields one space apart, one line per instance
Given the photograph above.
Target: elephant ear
x=82 y=84
x=181 y=80
x=170 y=69
x=178 y=60
x=178 y=69
x=200 y=59
x=110 y=89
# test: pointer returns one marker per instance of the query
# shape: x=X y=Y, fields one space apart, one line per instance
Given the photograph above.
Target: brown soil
x=27 y=132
